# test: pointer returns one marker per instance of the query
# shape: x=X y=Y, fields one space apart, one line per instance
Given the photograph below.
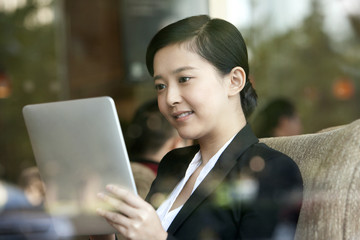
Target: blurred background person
x=22 y=216
x=278 y=118
x=149 y=137
x=32 y=185
x=12 y=197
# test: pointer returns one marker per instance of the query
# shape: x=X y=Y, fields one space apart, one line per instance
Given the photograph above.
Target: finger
x=114 y=218
x=126 y=196
x=118 y=205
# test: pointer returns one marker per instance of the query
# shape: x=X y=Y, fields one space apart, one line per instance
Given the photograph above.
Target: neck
x=211 y=144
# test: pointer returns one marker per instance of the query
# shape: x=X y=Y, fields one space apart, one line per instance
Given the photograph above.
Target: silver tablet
x=79 y=149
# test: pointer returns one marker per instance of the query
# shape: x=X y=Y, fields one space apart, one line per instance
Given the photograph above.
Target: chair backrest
x=329 y=162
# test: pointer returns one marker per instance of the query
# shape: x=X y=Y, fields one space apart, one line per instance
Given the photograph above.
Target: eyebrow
x=178 y=70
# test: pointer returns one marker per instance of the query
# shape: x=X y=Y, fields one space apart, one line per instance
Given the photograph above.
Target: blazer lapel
x=226 y=162
x=171 y=170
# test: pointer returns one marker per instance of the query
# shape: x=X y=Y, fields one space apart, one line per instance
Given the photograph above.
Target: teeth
x=183 y=114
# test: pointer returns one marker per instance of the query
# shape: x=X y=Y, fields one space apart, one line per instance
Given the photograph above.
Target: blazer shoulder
x=276 y=162
x=264 y=150
x=179 y=156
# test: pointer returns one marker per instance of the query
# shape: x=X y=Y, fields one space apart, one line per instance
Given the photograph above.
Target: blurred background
x=307 y=51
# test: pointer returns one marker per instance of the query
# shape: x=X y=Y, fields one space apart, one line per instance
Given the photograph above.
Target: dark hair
x=216 y=40
x=148 y=130
x=269 y=117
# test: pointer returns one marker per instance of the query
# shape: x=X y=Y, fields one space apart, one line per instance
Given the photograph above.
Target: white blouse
x=167 y=217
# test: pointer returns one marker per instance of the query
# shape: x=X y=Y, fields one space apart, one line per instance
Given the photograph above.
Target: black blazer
x=250 y=190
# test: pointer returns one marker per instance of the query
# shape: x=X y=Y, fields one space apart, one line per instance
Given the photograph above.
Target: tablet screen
x=79 y=148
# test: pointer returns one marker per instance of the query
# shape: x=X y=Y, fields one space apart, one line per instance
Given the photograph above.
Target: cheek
x=206 y=94
x=162 y=104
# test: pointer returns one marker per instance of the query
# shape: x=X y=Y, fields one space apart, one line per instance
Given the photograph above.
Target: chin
x=187 y=135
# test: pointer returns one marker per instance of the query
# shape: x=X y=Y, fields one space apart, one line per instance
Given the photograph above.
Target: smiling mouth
x=184 y=114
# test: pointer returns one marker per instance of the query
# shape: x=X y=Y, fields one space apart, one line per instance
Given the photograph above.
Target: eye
x=184 y=79
x=160 y=86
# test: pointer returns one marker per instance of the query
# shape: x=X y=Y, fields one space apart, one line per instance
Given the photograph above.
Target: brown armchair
x=329 y=162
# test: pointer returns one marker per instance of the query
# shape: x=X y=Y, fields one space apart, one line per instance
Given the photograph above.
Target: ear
x=237 y=80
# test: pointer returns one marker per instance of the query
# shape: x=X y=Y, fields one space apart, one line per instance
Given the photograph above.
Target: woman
x=229 y=186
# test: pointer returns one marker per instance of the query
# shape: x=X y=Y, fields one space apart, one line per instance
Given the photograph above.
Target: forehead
x=174 y=56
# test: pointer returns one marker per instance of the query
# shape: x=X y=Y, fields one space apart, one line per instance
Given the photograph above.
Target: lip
x=182 y=115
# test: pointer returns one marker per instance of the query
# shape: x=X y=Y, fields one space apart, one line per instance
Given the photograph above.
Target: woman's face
x=192 y=95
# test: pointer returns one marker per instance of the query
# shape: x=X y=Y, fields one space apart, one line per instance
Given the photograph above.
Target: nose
x=173 y=95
